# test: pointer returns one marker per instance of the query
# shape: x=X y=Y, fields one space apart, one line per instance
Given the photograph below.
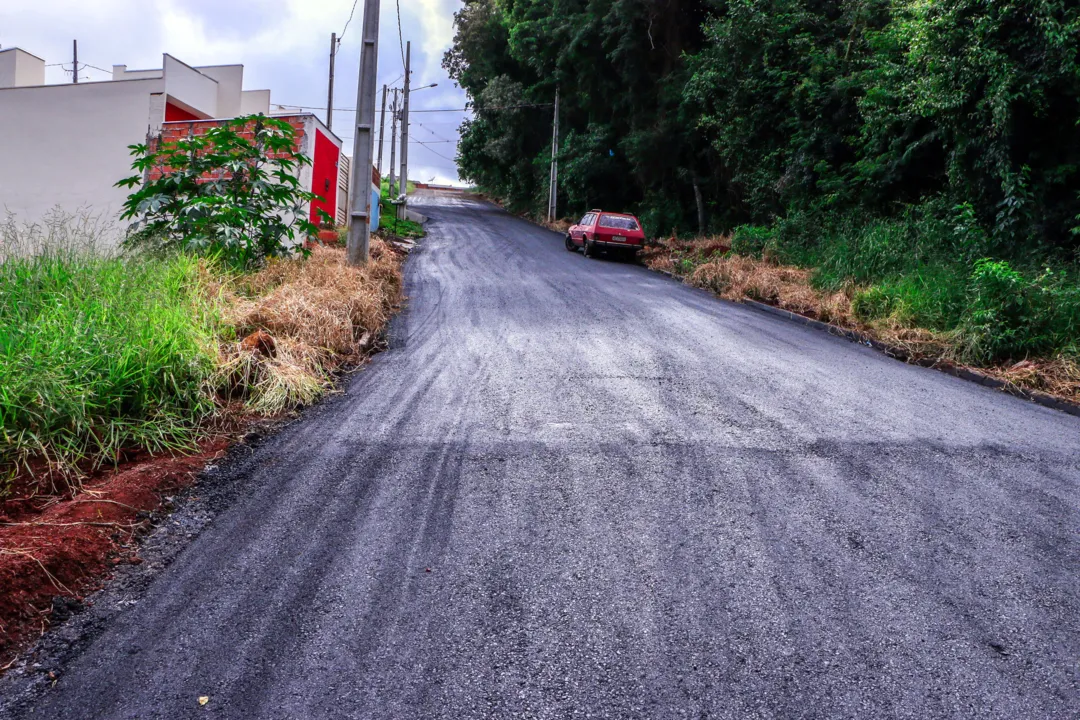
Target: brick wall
x=173 y=131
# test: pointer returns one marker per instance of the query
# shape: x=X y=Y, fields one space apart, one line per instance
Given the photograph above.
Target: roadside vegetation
x=389 y=223
x=918 y=159
x=208 y=311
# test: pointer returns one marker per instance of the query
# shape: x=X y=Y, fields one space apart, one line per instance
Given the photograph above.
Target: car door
x=577 y=232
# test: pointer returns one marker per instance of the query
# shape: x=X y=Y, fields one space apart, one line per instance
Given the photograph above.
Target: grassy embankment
x=388 y=220
x=101 y=353
x=918 y=283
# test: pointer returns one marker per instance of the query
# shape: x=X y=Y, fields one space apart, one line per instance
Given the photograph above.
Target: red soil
x=63 y=546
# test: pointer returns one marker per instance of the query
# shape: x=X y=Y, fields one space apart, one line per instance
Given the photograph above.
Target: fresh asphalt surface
x=575 y=488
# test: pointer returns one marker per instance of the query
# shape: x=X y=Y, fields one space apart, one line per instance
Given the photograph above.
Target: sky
x=284 y=45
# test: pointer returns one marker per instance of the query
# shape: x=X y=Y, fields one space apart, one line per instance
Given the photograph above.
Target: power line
x=401 y=42
x=437 y=153
x=441 y=138
x=351 y=12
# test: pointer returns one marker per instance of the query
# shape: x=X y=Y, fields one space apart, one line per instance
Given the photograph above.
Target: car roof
x=616 y=214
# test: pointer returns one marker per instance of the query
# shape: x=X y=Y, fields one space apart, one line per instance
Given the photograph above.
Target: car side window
x=588 y=219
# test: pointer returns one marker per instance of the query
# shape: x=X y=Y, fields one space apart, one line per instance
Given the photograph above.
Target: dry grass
x=705 y=263
x=318 y=312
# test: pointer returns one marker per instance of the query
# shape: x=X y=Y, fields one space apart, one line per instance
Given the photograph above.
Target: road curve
x=574 y=488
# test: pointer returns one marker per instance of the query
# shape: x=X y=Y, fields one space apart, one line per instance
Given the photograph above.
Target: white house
x=67 y=145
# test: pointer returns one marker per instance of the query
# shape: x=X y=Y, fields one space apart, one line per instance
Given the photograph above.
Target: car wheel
x=588 y=248
x=570 y=243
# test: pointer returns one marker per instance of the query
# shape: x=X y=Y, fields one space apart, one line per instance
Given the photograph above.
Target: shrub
x=1002 y=319
x=750 y=240
x=232 y=192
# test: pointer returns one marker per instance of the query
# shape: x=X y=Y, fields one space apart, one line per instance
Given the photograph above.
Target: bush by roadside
x=1019 y=327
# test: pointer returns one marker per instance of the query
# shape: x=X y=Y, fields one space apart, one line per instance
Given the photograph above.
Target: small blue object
x=611 y=153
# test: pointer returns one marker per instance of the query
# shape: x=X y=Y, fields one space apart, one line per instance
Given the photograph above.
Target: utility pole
x=393 y=140
x=75 y=61
x=382 y=131
x=360 y=213
x=330 y=85
x=553 y=182
x=404 y=180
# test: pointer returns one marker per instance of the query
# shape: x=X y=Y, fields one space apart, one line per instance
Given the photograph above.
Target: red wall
x=324 y=175
x=174 y=113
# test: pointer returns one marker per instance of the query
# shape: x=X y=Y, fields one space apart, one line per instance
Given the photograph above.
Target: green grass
x=388 y=220
x=932 y=268
x=100 y=353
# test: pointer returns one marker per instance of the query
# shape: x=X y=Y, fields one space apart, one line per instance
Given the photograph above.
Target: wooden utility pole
x=393 y=141
x=75 y=61
x=330 y=85
x=382 y=131
x=553 y=181
x=360 y=214
x=404 y=179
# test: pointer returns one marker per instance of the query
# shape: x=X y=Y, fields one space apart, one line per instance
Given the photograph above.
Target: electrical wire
x=401 y=42
x=440 y=137
x=347 y=22
x=437 y=153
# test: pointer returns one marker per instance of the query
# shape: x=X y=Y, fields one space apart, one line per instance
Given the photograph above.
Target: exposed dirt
x=54 y=550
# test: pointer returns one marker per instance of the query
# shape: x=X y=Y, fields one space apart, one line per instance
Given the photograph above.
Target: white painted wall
x=19 y=68
x=120 y=72
x=230 y=79
x=255 y=101
x=66 y=145
x=190 y=87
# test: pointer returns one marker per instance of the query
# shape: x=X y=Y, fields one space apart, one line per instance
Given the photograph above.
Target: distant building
x=67 y=144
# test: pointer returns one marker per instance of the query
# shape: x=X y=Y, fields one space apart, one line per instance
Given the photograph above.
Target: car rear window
x=618 y=223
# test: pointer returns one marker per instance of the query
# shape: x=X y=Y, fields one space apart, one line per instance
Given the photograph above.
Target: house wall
x=190 y=89
x=253 y=102
x=230 y=79
x=19 y=68
x=66 y=145
x=175 y=113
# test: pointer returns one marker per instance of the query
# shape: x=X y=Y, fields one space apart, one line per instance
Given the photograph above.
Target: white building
x=67 y=145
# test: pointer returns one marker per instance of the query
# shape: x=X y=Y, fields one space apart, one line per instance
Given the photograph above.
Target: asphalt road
x=575 y=488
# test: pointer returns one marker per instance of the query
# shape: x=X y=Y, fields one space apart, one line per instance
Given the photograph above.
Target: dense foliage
x=894 y=143
x=231 y=191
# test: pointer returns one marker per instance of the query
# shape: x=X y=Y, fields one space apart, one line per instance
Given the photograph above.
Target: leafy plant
x=232 y=191
x=1002 y=320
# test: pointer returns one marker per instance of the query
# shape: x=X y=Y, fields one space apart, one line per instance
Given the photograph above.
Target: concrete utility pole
x=330 y=85
x=553 y=182
x=393 y=140
x=75 y=61
x=405 y=136
x=360 y=214
x=382 y=131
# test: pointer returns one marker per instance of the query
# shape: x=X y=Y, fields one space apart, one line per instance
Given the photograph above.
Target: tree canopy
x=701 y=115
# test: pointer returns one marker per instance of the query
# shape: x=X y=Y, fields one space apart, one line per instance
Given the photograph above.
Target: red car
x=606 y=230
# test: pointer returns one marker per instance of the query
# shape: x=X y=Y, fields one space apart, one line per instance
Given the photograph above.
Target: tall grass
x=932 y=267
x=98 y=351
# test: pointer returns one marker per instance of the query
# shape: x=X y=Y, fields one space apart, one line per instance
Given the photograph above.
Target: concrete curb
x=1040 y=398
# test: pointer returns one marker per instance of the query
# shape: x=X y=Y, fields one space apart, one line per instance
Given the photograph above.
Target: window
x=588 y=219
x=618 y=223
